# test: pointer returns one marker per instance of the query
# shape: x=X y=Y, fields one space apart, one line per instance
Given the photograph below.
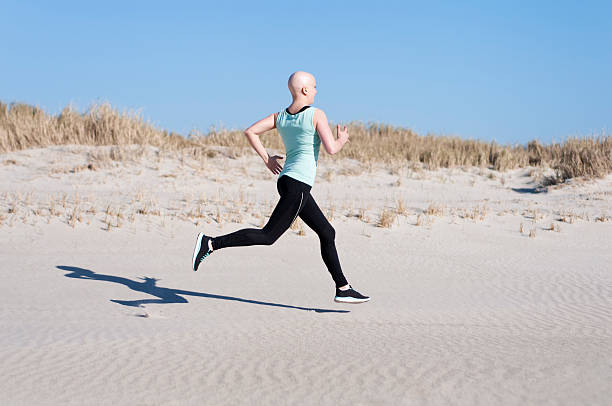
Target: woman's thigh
x=293 y=198
x=314 y=218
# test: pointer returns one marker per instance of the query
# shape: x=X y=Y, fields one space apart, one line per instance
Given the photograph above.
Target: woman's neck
x=296 y=106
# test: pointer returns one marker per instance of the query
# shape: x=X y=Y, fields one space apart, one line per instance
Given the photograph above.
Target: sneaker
x=201 y=250
x=350 y=296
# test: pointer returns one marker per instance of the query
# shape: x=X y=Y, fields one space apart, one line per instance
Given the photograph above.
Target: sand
x=101 y=309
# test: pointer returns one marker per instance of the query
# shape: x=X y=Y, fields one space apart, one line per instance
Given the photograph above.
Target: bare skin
x=303 y=88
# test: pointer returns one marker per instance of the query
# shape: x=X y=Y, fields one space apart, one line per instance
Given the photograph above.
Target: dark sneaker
x=201 y=250
x=350 y=296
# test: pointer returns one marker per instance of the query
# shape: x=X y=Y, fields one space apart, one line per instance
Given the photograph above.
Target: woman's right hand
x=343 y=134
x=273 y=165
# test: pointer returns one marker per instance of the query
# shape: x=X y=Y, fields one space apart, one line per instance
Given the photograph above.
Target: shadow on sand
x=167 y=295
x=530 y=190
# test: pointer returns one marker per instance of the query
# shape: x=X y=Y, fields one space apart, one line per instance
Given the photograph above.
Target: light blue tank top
x=302 y=144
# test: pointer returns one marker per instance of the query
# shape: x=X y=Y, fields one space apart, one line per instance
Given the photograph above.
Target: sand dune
x=100 y=306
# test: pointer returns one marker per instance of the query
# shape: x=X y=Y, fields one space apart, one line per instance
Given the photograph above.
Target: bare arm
x=332 y=145
x=252 y=133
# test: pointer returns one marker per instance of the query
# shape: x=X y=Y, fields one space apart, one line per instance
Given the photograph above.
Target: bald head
x=300 y=84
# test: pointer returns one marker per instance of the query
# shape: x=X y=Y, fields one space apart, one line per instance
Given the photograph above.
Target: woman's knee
x=269 y=238
x=328 y=234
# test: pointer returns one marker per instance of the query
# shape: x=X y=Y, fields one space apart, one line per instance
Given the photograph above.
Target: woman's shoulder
x=318 y=115
x=318 y=111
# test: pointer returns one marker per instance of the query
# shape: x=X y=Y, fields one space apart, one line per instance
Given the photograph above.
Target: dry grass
x=401 y=208
x=295 y=225
x=568 y=218
x=363 y=216
x=387 y=218
x=603 y=218
x=477 y=213
x=331 y=210
x=424 y=220
x=298 y=227
x=23 y=126
x=435 y=210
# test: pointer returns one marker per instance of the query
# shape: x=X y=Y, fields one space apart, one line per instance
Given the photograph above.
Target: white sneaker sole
x=196 y=250
x=349 y=300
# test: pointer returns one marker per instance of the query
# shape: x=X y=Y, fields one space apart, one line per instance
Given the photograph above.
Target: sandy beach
x=487 y=289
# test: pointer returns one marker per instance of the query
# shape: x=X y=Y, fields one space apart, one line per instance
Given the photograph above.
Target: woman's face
x=312 y=91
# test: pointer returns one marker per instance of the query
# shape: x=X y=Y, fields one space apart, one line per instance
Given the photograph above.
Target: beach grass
x=23 y=126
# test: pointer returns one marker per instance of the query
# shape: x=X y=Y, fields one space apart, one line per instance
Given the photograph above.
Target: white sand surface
x=103 y=309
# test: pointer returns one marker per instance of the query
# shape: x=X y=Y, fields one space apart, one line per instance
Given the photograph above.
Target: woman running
x=302 y=129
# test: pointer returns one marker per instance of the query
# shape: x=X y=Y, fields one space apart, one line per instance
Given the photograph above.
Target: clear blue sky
x=510 y=71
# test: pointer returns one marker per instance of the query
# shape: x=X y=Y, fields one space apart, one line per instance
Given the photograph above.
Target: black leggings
x=295 y=200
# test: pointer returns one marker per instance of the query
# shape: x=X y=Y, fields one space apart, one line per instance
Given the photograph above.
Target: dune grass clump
x=387 y=218
x=401 y=209
x=476 y=213
x=435 y=210
x=577 y=157
x=424 y=220
x=362 y=215
x=603 y=218
x=23 y=126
